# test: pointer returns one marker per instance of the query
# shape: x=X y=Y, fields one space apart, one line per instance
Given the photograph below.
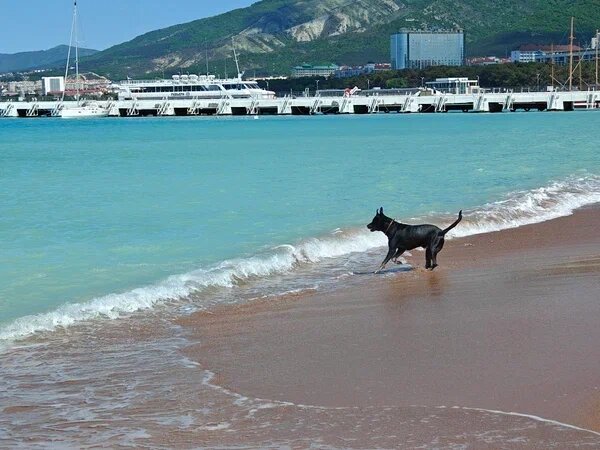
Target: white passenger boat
x=196 y=87
x=182 y=87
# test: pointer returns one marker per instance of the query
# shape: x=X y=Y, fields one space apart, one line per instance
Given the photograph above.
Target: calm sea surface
x=92 y=210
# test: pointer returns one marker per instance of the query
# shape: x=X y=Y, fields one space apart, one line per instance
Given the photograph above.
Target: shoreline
x=506 y=323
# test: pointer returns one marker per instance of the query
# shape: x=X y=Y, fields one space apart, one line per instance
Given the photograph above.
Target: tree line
x=533 y=76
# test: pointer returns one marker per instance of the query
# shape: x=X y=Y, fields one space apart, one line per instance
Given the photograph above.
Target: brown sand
x=509 y=321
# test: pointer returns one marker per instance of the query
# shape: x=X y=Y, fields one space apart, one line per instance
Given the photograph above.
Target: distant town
x=409 y=49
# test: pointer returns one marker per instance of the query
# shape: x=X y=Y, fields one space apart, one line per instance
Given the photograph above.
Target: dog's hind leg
x=428 y=257
x=437 y=247
x=397 y=255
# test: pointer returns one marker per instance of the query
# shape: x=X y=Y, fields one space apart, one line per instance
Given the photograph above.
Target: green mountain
x=54 y=57
x=271 y=36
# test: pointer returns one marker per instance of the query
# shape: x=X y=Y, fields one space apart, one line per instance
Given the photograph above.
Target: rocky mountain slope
x=273 y=35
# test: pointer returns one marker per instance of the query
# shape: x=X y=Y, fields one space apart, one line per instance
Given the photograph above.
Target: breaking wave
x=557 y=199
x=278 y=260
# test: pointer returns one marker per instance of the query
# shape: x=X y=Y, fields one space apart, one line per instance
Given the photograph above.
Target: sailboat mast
x=571 y=39
x=76 y=49
x=206 y=48
x=597 y=46
x=552 y=64
x=73 y=24
x=580 y=75
x=236 y=60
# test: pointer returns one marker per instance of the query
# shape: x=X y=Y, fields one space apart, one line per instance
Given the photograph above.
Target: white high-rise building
x=53 y=85
x=417 y=49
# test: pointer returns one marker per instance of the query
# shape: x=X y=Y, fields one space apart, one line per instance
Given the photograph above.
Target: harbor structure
x=439 y=96
x=417 y=49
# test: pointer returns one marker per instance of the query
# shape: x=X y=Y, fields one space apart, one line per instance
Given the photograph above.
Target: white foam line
x=557 y=199
x=528 y=416
x=266 y=404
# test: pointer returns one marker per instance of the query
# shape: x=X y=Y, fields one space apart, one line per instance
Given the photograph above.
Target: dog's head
x=378 y=222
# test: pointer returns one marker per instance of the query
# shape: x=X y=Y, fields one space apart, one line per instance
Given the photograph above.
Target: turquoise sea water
x=92 y=210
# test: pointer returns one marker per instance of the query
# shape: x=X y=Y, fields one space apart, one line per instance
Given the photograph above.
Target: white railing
x=163 y=108
x=441 y=103
x=374 y=106
x=33 y=110
x=193 y=109
x=286 y=102
x=133 y=109
x=509 y=102
x=57 y=109
x=253 y=108
x=479 y=103
x=223 y=103
x=342 y=108
x=7 y=111
x=315 y=106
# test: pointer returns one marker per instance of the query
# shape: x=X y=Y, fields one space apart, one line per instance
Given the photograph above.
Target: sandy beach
x=508 y=323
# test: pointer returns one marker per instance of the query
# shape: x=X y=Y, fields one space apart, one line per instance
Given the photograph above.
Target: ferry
x=184 y=87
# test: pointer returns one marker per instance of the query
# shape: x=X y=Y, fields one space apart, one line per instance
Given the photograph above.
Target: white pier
x=363 y=102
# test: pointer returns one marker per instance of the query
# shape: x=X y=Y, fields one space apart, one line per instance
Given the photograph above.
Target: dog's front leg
x=389 y=256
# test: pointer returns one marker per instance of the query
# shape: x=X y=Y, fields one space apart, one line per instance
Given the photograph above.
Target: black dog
x=402 y=237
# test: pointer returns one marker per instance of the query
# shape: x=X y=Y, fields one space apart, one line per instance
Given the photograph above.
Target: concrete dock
x=365 y=102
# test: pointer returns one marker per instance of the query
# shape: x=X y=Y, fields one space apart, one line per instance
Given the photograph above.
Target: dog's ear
x=381 y=210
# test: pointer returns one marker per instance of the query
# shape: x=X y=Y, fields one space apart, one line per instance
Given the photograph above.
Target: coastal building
x=348 y=71
x=458 y=85
x=410 y=49
x=24 y=87
x=522 y=56
x=557 y=54
x=539 y=53
x=308 y=70
x=486 y=61
x=88 y=84
x=353 y=71
x=53 y=85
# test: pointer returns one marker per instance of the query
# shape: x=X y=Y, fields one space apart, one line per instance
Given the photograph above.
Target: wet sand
x=509 y=322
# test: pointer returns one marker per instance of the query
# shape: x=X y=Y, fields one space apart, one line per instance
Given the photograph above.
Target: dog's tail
x=443 y=232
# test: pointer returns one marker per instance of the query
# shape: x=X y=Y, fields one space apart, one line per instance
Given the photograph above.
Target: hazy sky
x=42 y=24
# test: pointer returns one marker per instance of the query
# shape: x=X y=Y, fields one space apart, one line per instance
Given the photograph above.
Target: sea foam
x=557 y=199
x=227 y=274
